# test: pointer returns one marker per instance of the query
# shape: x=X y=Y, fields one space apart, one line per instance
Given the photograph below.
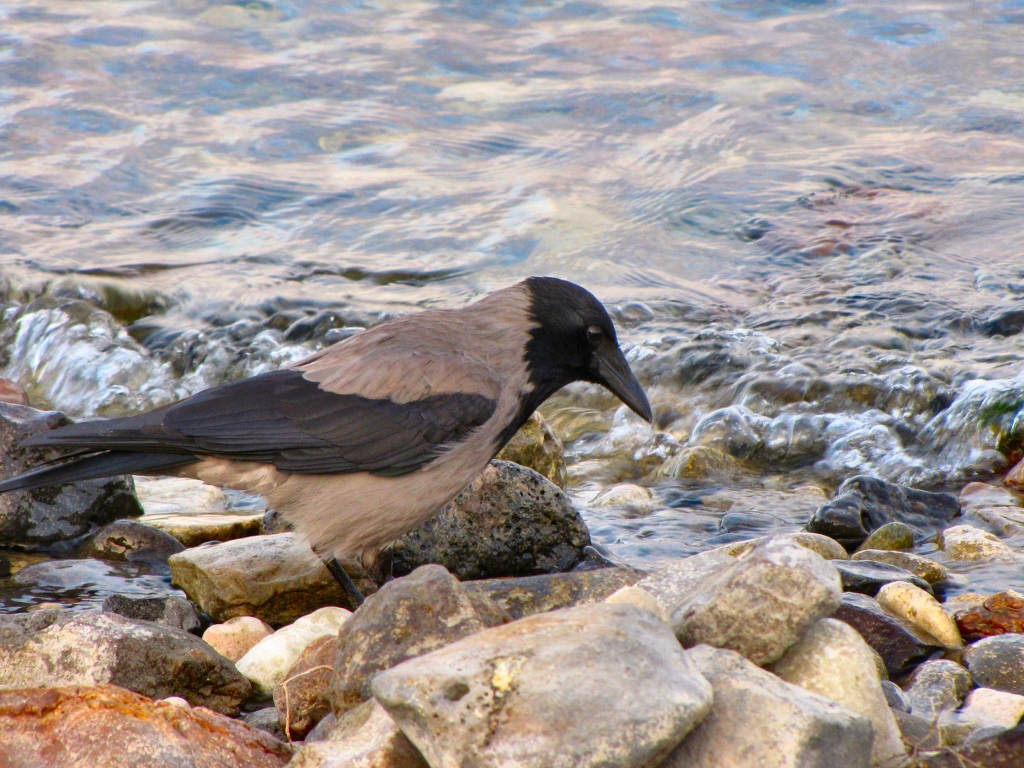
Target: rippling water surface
x=808 y=214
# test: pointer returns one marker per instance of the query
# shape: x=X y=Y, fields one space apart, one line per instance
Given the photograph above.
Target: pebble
x=1015 y=477
x=267 y=662
x=894 y=696
x=527 y=595
x=105 y=725
x=963 y=602
x=894 y=536
x=537 y=446
x=171 y=611
x=131 y=541
x=236 y=637
x=54 y=648
x=863 y=504
x=366 y=737
x=640 y=598
x=489 y=698
x=171 y=495
x=900 y=644
x=997 y=615
x=988 y=707
x=275 y=578
x=965 y=543
x=408 y=617
x=980 y=495
x=266 y=719
x=869 y=577
x=1004 y=749
x=833 y=661
x=828 y=548
x=756 y=719
x=920 y=609
x=923 y=567
x=510 y=521
x=762 y=603
x=698 y=462
x=193 y=530
x=997 y=662
x=301 y=697
x=633 y=500
x=938 y=686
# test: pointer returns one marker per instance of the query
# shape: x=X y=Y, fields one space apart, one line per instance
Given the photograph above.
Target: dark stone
x=536 y=594
x=1001 y=750
x=864 y=503
x=999 y=614
x=174 y=612
x=895 y=697
x=510 y=521
x=867 y=577
x=49 y=516
x=131 y=541
x=53 y=647
x=997 y=662
x=901 y=646
x=406 y=618
x=938 y=686
x=266 y=719
x=1008 y=322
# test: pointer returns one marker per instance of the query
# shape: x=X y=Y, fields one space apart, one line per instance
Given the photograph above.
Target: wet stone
x=274 y=578
x=131 y=541
x=920 y=609
x=863 y=504
x=176 y=612
x=923 y=567
x=366 y=737
x=900 y=644
x=536 y=446
x=633 y=500
x=867 y=577
x=490 y=699
x=698 y=462
x=965 y=543
x=236 y=637
x=893 y=536
x=997 y=662
x=762 y=603
x=999 y=614
x=937 y=686
x=408 y=617
x=52 y=516
x=509 y=521
x=757 y=719
x=301 y=695
x=62 y=648
x=535 y=594
x=105 y=725
x=267 y=662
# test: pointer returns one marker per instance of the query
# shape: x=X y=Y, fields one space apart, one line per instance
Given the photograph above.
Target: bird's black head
x=575 y=341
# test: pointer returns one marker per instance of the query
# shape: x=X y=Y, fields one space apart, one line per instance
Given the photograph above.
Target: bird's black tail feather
x=96 y=465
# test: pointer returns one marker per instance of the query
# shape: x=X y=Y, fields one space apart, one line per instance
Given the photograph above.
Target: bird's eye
x=594 y=334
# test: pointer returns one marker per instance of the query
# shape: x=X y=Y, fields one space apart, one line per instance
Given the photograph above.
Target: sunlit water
x=808 y=212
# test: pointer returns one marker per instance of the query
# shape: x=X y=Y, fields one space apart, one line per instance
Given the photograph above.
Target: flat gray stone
x=594 y=685
x=762 y=603
x=759 y=721
x=53 y=648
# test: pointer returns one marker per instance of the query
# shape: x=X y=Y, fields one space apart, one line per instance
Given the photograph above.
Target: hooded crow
x=366 y=439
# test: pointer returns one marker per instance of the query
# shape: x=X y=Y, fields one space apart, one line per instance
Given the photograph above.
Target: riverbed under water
x=808 y=214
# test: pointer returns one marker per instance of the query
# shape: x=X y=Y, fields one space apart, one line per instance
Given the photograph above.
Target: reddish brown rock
x=301 y=698
x=999 y=614
x=10 y=392
x=105 y=725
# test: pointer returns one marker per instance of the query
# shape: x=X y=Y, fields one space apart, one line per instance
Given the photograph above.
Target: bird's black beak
x=613 y=372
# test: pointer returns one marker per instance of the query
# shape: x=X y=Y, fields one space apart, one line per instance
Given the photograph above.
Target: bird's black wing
x=281 y=418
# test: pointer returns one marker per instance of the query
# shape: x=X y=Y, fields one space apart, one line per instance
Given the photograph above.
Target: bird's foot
x=345 y=582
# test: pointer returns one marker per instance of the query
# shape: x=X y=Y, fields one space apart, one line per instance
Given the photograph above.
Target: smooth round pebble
x=235 y=637
x=922 y=610
x=965 y=543
x=997 y=662
x=891 y=536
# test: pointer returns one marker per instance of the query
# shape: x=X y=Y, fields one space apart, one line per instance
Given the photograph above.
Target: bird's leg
x=347 y=585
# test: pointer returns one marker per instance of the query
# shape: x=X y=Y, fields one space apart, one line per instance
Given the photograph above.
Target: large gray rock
x=366 y=737
x=52 y=648
x=833 y=661
x=49 y=516
x=593 y=685
x=274 y=578
x=510 y=521
x=938 y=686
x=998 y=662
x=535 y=594
x=104 y=725
x=762 y=603
x=759 y=720
x=408 y=617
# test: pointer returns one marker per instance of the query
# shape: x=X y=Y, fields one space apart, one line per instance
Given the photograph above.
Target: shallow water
x=806 y=212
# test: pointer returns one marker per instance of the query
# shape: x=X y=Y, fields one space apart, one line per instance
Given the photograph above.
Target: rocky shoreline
x=508 y=638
